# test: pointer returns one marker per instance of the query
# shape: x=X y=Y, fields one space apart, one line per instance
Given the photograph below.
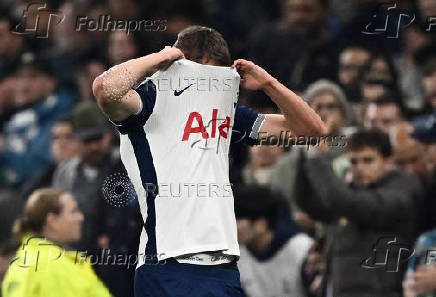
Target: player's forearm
x=114 y=84
x=302 y=119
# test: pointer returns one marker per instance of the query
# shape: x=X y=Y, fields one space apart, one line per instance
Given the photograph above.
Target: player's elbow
x=97 y=90
x=97 y=87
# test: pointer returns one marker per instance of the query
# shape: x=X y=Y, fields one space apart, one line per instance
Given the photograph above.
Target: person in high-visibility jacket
x=43 y=266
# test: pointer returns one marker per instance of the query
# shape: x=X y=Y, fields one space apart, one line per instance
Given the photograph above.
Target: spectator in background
x=63 y=147
x=121 y=47
x=381 y=68
x=379 y=203
x=123 y=9
x=372 y=90
x=262 y=159
x=105 y=227
x=352 y=62
x=70 y=45
x=83 y=176
x=43 y=266
x=384 y=114
x=379 y=79
x=85 y=74
x=301 y=47
x=421 y=273
x=421 y=158
x=429 y=74
x=411 y=155
x=414 y=40
x=11 y=46
x=329 y=101
x=38 y=103
x=270 y=260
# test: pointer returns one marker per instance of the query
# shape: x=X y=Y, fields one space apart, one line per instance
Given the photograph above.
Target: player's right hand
x=170 y=54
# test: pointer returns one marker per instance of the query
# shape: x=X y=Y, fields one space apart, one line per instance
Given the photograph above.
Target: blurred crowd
x=312 y=221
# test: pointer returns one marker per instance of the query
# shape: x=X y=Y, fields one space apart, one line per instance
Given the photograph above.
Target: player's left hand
x=253 y=77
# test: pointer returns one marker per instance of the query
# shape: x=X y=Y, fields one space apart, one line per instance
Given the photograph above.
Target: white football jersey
x=175 y=150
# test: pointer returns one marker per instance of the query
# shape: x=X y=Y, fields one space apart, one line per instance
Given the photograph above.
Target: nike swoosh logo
x=178 y=93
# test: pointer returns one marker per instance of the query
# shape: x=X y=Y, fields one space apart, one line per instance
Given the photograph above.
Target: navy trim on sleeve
x=247 y=125
x=147 y=93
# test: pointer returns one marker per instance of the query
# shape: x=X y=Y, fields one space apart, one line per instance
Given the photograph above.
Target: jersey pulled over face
x=175 y=150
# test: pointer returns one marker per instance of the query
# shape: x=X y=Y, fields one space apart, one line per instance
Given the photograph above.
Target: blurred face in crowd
x=63 y=145
x=327 y=106
x=410 y=155
x=264 y=156
x=123 y=9
x=380 y=70
x=367 y=166
x=414 y=40
x=65 y=227
x=303 y=17
x=93 y=151
x=372 y=92
x=245 y=230
x=65 y=35
x=251 y=230
x=85 y=78
x=427 y=8
x=32 y=84
x=351 y=63
x=383 y=116
x=7 y=92
x=430 y=89
x=121 y=47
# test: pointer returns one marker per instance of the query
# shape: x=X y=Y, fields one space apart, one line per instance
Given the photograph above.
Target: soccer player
x=189 y=244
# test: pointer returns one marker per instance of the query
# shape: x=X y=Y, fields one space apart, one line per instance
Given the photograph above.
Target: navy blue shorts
x=174 y=279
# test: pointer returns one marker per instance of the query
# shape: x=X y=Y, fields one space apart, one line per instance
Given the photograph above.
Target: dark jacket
x=360 y=224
